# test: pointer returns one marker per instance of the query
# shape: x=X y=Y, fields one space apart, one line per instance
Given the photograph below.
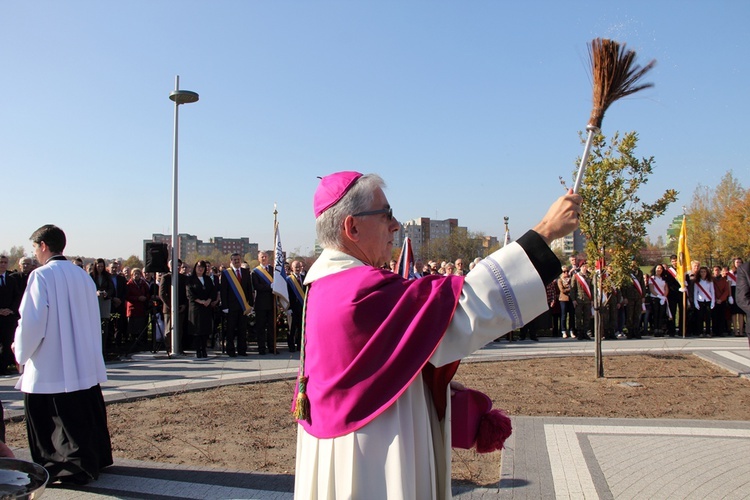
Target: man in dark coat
x=237 y=304
x=262 y=283
x=743 y=292
x=296 y=290
x=165 y=294
x=10 y=299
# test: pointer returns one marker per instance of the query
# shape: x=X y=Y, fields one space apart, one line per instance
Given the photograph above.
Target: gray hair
x=359 y=198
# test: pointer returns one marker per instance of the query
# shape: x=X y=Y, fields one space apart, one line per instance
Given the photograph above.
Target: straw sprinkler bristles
x=615 y=75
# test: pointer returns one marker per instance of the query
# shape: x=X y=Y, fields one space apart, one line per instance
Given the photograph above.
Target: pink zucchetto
x=331 y=189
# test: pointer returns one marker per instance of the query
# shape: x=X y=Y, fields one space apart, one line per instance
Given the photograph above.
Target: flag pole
x=684 y=286
x=275 y=319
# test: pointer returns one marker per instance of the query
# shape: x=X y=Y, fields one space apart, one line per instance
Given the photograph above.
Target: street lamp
x=179 y=97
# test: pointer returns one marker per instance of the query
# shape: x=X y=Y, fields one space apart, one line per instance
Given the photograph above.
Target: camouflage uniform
x=583 y=305
x=608 y=312
x=634 y=308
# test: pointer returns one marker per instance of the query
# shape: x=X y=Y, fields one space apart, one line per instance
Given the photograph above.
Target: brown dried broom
x=616 y=75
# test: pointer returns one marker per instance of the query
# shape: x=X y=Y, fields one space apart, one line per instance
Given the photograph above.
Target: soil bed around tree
x=249 y=427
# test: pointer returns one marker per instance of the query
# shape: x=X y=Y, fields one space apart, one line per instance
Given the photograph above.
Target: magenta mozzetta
x=372 y=332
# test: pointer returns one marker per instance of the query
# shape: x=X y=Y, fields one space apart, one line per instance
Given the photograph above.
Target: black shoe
x=262 y=353
x=232 y=354
x=80 y=479
x=243 y=354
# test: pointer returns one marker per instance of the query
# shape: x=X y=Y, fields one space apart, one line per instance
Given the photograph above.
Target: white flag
x=279 y=273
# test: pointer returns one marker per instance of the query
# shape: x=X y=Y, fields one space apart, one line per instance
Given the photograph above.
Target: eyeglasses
x=387 y=211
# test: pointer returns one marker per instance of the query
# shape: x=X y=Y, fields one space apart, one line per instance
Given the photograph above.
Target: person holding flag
x=683 y=267
x=296 y=290
x=279 y=285
x=674 y=297
x=264 y=305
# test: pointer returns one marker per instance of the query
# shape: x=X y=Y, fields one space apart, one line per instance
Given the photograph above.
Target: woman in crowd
x=202 y=295
x=703 y=300
x=659 y=306
x=450 y=269
x=738 y=315
x=105 y=290
x=567 y=311
x=553 y=301
x=721 y=298
x=137 y=298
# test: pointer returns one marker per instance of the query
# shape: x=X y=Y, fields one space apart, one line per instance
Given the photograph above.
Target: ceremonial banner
x=406 y=261
x=279 y=273
x=683 y=255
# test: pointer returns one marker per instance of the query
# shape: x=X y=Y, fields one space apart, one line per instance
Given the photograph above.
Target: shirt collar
x=330 y=262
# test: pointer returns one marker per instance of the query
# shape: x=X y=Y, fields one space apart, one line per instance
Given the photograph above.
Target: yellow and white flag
x=683 y=255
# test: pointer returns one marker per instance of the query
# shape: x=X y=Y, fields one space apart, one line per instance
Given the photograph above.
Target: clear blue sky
x=468 y=109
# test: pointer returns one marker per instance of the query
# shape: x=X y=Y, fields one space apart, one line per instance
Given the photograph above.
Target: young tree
x=613 y=217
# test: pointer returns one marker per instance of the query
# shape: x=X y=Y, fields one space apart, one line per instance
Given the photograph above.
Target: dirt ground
x=249 y=427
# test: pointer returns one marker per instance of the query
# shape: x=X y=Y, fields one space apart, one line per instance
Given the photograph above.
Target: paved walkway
x=544 y=458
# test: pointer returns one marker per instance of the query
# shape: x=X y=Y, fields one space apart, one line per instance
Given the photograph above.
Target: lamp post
x=179 y=97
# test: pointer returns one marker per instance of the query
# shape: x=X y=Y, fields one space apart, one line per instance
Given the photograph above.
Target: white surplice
x=58 y=340
x=405 y=452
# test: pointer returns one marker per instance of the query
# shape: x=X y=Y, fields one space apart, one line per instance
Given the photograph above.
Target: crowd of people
x=398 y=342
x=653 y=303
x=432 y=267
x=135 y=306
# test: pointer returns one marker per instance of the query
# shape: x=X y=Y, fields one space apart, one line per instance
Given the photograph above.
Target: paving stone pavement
x=545 y=458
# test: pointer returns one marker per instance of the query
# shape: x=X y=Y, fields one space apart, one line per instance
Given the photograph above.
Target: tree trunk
x=598 y=330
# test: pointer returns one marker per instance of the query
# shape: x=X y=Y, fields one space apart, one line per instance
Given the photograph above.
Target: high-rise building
x=423 y=231
x=189 y=244
x=572 y=244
